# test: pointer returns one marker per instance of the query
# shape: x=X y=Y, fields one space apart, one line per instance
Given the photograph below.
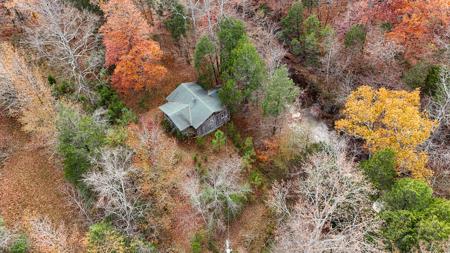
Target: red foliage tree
x=415 y=23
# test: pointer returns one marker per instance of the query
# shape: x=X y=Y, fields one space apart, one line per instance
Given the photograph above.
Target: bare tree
x=48 y=238
x=268 y=45
x=277 y=200
x=439 y=106
x=7 y=237
x=437 y=145
x=215 y=197
x=9 y=102
x=78 y=201
x=193 y=6
x=150 y=140
x=117 y=193
x=66 y=37
x=333 y=211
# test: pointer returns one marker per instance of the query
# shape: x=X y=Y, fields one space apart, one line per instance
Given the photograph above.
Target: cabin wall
x=213 y=122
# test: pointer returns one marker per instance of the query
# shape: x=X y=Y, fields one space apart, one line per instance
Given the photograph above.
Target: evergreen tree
x=246 y=68
x=176 y=23
x=310 y=4
x=413 y=219
x=356 y=36
x=313 y=33
x=231 y=32
x=79 y=137
x=380 y=169
x=204 y=62
x=293 y=21
x=230 y=95
x=280 y=92
x=409 y=194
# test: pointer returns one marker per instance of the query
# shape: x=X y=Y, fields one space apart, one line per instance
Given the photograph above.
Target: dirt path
x=30 y=184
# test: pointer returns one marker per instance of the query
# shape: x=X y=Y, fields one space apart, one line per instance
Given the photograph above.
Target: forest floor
x=30 y=184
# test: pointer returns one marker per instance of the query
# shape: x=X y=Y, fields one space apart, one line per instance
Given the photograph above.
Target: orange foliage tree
x=415 y=23
x=124 y=28
x=128 y=46
x=390 y=119
x=140 y=68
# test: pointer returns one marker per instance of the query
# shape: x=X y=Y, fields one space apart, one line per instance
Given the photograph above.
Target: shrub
x=234 y=134
x=424 y=76
x=256 y=179
x=200 y=141
x=11 y=242
x=76 y=163
x=387 y=26
x=311 y=3
x=219 y=140
x=141 y=246
x=356 y=36
x=86 y=5
x=118 y=113
x=116 y=136
x=167 y=126
x=102 y=237
x=64 y=88
x=416 y=76
x=197 y=242
x=20 y=245
x=380 y=169
x=51 y=80
x=248 y=152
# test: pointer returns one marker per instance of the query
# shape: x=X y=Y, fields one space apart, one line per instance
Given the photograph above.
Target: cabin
x=194 y=111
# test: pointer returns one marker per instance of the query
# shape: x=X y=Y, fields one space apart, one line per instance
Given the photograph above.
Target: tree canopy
x=390 y=119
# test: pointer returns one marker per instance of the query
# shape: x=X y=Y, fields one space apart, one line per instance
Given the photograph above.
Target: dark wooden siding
x=213 y=122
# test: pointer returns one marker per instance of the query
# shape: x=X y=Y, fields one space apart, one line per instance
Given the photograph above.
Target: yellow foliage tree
x=36 y=106
x=390 y=119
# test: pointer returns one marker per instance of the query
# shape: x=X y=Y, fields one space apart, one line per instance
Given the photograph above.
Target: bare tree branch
x=66 y=37
x=117 y=193
x=214 y=197
x=333 y=212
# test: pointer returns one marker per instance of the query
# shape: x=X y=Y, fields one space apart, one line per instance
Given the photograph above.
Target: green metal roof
x=190 y=105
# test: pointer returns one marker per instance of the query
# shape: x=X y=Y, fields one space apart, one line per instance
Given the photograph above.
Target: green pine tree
x=280 y=92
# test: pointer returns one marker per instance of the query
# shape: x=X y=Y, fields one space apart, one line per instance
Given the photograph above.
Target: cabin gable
x=215 y=121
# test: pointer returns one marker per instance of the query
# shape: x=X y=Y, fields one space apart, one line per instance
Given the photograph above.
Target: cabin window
x=223 y=116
